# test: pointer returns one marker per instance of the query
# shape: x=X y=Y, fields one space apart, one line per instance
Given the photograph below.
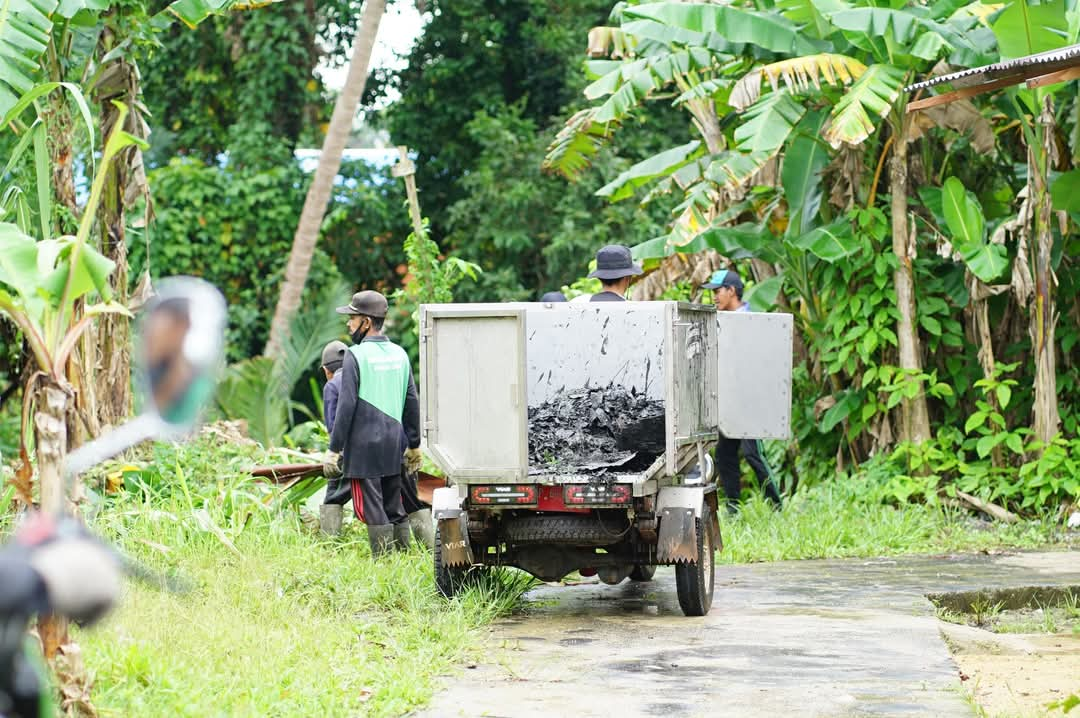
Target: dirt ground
x=1015 y=674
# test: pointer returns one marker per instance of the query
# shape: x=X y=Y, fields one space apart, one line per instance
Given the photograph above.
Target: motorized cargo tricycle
x=576 y=437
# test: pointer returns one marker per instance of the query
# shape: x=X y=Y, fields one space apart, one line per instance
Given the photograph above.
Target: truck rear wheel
x=448 y=579
x=643 y=572
x=694 y=581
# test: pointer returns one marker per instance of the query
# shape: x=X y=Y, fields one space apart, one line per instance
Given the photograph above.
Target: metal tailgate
x=755 y=374
x=472 y=373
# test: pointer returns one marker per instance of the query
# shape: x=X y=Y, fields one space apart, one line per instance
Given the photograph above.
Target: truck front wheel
x=643 y=572
x=694 y=581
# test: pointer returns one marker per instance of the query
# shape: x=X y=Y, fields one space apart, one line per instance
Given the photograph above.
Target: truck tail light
x=503 y=495
x=578 y=494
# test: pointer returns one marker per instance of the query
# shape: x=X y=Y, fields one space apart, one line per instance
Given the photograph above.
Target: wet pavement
x=808 y=638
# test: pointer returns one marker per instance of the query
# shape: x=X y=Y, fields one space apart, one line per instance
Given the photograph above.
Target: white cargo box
x=483 y=366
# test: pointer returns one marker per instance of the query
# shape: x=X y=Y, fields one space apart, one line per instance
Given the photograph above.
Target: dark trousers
x=338 y=491
x=727 y=465
x=410 y=498
x=377 y=502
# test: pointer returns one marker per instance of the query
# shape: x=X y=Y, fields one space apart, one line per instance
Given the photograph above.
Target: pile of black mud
x=595 y=431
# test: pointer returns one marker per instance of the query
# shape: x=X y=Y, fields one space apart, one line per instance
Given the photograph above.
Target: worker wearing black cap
x=338 y=491
x=377 y=423
x=615 y=269
x=727 y=290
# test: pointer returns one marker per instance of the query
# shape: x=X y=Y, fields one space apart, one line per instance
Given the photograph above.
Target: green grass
x=293 y=626
x=843 y=519
x=288 y=624
x=281 y=622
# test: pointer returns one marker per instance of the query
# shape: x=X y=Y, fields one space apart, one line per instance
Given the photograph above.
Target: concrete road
x=801 y=638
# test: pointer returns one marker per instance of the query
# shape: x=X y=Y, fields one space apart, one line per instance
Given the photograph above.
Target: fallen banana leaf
x=287 y=475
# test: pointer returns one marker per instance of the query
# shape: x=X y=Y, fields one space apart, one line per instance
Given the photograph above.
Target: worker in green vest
x=377 y=424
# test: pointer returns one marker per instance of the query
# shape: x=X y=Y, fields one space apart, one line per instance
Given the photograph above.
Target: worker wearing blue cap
x=727 y=290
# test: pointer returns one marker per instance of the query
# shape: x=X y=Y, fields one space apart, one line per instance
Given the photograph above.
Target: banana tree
x=42 y=282
x=1024 y=30
x=985 y=259
x=770 y=70
x=91 y=43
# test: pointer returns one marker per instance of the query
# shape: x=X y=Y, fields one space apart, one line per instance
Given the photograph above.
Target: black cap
x=553 y=297
x=333 y=355
x=724 y=278
x=368 y=303
x=615 y=262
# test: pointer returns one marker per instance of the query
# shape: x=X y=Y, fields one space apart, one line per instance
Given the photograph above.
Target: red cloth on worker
x=357 y=498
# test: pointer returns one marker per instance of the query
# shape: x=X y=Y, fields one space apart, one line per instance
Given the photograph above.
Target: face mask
x=361 y=332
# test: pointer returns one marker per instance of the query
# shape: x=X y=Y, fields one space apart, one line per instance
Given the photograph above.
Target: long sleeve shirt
x=378 y=411
x=330 y=392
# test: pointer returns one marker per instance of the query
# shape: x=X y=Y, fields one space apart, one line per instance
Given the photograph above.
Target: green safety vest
x=383 y=376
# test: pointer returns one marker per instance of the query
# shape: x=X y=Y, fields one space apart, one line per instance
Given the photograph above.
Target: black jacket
x=370 y=440
x=330 y=393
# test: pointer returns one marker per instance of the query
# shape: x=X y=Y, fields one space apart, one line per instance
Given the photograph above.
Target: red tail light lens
x=597 y=494
x=503 y=495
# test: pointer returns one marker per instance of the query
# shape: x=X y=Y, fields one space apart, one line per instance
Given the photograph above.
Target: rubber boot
x=773 y=495
x=422 y=528
x=402 y=534
x=330 y=519
x=381 y=539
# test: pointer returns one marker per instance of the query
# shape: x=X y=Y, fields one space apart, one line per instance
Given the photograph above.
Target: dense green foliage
x=233 y=227
x=244 y=84
x=481 y=97
x=795 y=131
x=803 y=111
x=241 y=93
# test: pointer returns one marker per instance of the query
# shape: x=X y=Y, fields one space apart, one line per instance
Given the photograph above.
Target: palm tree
x=318 y=196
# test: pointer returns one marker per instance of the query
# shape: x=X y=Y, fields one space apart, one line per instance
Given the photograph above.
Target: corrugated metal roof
x=1021 y=68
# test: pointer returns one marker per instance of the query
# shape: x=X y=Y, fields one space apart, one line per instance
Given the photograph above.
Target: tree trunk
x=915 y=419
x=50 y=440
x=708 y=124
x=60 y=127
x=108 y=351
x=1043 y=319
x=307 y=232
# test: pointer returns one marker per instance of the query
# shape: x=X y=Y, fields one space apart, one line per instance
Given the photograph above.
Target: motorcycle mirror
x=179 y=350
x=179 y=346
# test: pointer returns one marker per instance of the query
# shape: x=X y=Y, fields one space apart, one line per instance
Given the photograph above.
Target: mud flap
x=714 y=520
x=455 y=540
x=677 y=541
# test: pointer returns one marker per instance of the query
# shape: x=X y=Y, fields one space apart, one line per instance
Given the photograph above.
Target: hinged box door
x=754 y=374
x=692 y=385
x=473 y=393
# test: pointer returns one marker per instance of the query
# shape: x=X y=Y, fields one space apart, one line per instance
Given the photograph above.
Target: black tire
x=448 y=579
x=694 y=581
x=643 y=572
x=579 y=530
